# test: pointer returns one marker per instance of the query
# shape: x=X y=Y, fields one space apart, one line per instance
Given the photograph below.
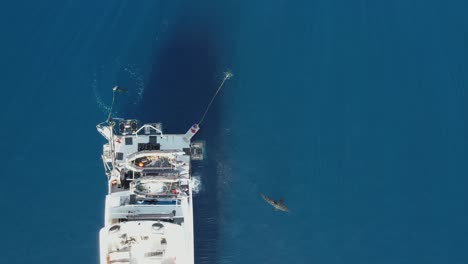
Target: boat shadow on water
x=182 y=80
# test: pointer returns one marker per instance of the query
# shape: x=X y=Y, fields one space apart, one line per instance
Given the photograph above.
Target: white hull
x=149 y=206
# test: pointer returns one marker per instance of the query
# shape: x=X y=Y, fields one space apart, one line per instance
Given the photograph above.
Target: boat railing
x=107 y=168
x=149 y=212
x=150 y=127
x=161 y=153
x=147 y=201
x=143 y=169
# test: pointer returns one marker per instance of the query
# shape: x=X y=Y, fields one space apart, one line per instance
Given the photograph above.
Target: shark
x=277 y=204
x=118 y=89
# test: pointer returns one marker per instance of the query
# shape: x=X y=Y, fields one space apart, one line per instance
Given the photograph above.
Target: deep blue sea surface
x=355 y=112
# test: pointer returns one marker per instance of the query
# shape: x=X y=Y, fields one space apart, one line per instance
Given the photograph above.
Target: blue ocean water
x=354 y=112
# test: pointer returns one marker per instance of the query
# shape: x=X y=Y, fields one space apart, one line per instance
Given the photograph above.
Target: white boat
x=149 y=206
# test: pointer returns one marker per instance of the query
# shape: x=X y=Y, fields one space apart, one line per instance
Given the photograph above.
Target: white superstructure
x=148 y=208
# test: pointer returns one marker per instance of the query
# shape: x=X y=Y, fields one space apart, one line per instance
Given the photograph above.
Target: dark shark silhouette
x=277 y=204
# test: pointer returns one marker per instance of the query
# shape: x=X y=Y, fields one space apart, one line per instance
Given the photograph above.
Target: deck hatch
x=128 y=141
x=119 y=156
x=149 y=146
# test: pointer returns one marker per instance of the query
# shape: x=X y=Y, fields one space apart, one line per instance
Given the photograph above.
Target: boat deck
x=129 y=144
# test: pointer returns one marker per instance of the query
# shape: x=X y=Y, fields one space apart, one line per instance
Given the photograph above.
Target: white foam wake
x=196 y=184
x=103 y=107
x=127 y=76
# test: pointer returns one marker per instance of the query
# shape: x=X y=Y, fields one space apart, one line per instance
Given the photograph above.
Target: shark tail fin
x=118 y=89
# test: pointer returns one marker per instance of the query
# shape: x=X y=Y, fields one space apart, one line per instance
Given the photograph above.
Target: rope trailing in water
x=112 y=106
x=227 y=76
x=115 y=89
x=111 y=123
